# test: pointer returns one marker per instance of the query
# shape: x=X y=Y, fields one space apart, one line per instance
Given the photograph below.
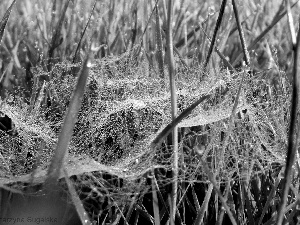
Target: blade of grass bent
x=61 y=150
x=5 y=20
x=163 y=134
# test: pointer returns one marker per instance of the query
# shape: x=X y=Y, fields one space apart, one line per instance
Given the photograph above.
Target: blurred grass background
x=117 y=26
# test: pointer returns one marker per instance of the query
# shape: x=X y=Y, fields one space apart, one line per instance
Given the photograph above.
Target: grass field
x=149 y=112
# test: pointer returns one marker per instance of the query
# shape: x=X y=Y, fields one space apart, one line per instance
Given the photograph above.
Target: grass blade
x=160 y=58
x=214 y=182
x=85 y=220
x=145 y=24
x=163 y=134
x=204 y=207
x=174 y=107
x=56 y=40
x=133 y=203
x=248 y=203
x=155 y=201
x=195 y=198
x=241 y=33
x=82 y=34
x=226 y=62
x=232 y=118
x=293 y=130
x=270 y=197
x=214 y=38
x=181 y=42
x=291 y=22
x=229 y=200
x=5 y=20
x=61 y=150
x=144 y=30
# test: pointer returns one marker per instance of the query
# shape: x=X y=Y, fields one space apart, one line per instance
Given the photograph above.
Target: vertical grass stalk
x=174 y=107
x=293 y=130
x=159 y=54
x=241 y=33
x=155 y=201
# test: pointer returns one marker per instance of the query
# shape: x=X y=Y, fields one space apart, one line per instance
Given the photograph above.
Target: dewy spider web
x=124 y=107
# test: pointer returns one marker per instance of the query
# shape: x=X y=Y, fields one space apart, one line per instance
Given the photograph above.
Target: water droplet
x=89 y=64
x=211 y=10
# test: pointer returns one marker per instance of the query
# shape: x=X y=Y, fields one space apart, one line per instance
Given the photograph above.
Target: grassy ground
x=157 y=112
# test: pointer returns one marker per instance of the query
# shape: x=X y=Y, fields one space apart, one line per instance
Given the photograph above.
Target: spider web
x=126 y=105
